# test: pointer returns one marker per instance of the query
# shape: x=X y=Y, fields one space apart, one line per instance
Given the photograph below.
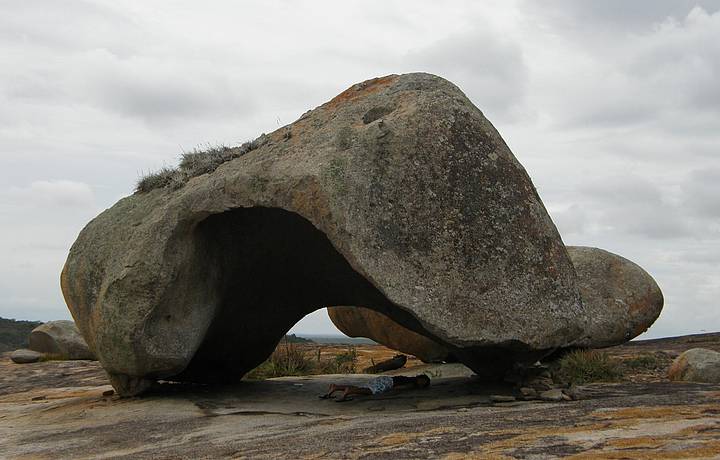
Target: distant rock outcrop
x=696 y=365
x=60 y=339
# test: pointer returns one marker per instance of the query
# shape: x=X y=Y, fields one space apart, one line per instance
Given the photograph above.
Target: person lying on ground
x=377 y=385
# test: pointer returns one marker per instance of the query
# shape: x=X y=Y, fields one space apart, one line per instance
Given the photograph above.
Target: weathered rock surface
x=696 y=365
x=363 y=322
x=621 y=299
x=58 y=410
x=397 y=195
x=24 y=356
x=621 y=302
x=60 y=339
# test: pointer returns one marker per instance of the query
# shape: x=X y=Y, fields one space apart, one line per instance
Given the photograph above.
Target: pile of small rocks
x=536 y=383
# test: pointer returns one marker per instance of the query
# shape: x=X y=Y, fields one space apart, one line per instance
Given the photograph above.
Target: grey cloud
x=635 y=206
x=169 y=96
x=655 y=76
x=69 y=25
x=570 y=221
x=488 y=67
x=615 y=14
x=701 y=190
x=709 y=256
x=55 y=193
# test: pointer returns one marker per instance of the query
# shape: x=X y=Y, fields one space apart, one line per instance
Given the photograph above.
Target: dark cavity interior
x=274 y=268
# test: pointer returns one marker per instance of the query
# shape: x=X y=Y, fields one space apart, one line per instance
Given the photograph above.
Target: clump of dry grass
x=158 y=179
x=193 y=164
x=585 y=366
x=342 y=363
x=287 y=359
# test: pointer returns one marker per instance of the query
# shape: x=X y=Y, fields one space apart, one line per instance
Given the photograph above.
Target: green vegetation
x=585 y=366
x=344 y=363
x=193 y=164
x=14 y=334
x=290 y=359
x=287 y=359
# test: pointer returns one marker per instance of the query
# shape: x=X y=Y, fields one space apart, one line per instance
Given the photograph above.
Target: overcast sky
x=612 y=106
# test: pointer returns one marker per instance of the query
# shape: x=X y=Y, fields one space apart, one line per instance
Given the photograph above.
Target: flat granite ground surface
x=57 y=409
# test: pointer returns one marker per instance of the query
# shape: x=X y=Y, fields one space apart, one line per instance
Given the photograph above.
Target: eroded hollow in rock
x=274 y=268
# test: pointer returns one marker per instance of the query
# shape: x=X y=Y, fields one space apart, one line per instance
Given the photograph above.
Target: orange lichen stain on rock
x=361 y=90
x=474 y=456
x=707 y=450
x=641 y=442
x=397 y=438
x=671 y=412
x=535 y=436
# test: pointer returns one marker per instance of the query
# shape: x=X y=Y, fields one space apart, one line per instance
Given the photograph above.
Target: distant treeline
x=292 y=338
x=14 y=334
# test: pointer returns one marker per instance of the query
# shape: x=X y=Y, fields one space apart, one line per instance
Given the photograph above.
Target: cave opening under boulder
x=271 y=267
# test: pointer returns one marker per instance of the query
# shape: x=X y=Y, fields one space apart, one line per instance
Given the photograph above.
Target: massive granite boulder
x=621 y=301
x=397 y=195
x=363 y=322
x=60 y=339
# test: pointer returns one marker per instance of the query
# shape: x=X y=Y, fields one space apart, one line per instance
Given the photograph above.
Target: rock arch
x=407 y=182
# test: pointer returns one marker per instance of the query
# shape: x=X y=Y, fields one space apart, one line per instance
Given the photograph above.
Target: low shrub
x=287 y=359
x=342 y=363
x=585 y=366
x=290 y=359
x=646 y=362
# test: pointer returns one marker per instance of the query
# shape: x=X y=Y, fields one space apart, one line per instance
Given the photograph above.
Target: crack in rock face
x=397 y=195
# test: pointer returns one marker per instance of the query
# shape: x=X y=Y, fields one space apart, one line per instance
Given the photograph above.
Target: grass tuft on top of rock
x=192 y=164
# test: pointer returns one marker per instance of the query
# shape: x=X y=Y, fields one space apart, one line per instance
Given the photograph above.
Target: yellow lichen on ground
x=645 y=433
x=673 y=412
x=474 y=456
x=399 y=438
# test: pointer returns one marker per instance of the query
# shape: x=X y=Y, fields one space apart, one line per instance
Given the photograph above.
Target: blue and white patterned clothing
x=380 y=384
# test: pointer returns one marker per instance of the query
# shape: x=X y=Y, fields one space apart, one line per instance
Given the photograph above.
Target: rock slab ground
x=57 y=410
